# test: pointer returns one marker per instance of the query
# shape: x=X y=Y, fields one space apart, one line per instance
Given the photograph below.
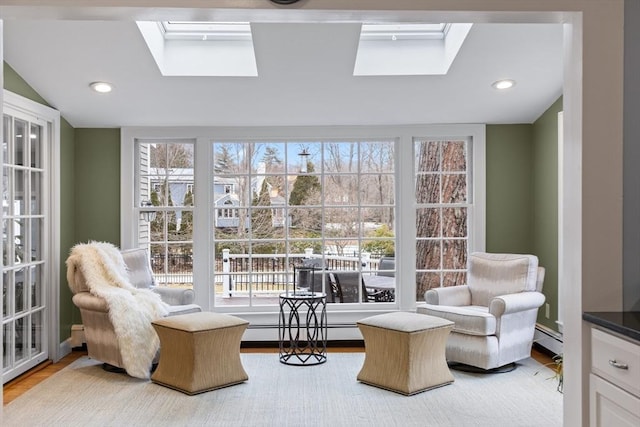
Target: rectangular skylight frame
x=404 y=31
x=205 y=49
x=408 y=49
x=206 y=30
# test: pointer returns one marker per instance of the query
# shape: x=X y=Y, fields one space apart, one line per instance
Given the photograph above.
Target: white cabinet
x=614 y=382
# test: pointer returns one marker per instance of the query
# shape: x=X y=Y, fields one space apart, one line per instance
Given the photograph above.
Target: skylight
x=201 y=48
x=408 y=49
x=206 y=31
x=404 y=31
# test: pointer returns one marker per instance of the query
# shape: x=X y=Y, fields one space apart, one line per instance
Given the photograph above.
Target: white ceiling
x=305 y=78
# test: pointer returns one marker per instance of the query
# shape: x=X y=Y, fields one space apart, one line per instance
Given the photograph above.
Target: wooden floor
x=21 y=384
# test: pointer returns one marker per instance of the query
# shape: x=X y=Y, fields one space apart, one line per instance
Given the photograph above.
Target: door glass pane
x=7 y=187
x=36 y=333
x=36 y=286
x=35 y=138
x=20 y=291
x=7 y=345
x=6 y=295
x=21 y=339
x=36 y=195
x=6 y=130
x=19 y=240
x=36 y=239
x=19 y=141
x=7 y=246
x=19 y=192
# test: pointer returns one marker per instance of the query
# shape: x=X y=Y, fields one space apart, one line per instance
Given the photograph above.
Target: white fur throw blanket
x=131 y=310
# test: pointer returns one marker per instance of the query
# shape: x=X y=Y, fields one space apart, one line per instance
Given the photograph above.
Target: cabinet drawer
x=616 y=360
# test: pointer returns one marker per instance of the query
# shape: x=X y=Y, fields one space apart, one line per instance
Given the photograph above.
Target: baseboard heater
x=548 y=339
x=267 y=332
x=77 y=336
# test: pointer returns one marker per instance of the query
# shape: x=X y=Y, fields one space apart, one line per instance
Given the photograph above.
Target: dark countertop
x=626 y=323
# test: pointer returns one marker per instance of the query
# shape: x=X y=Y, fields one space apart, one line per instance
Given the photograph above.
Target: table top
x=379 y=282
x=303 y=295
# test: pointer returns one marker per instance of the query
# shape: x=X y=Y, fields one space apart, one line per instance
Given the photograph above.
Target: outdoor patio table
x=384 y=285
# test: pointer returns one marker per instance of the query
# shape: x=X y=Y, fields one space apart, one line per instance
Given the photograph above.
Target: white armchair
x=108 y=339
x=494 y=313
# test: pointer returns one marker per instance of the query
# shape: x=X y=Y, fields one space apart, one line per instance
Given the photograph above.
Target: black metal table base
x=302 y=328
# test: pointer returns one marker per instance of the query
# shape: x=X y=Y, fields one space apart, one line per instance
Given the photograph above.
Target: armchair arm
x=87 y=301
x=175 y=296
x=513 y=303
x=451 y=295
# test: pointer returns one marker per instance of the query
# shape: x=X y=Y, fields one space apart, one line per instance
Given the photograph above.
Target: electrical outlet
x=546 y=310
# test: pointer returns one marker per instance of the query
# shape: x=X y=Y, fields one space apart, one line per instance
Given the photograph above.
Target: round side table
x=302 y=328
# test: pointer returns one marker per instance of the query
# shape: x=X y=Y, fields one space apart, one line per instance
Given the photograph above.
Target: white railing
x=260 y=273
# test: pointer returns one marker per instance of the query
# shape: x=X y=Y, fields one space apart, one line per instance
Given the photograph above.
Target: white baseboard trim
x=64 y=349
x=548 y=338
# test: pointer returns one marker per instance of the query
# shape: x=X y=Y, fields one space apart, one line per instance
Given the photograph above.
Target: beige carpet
x=279 y=395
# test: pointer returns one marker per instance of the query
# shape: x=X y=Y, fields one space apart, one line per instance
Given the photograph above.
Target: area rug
x=83 y=394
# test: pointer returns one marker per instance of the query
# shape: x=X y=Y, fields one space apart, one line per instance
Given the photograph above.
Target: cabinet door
x=611 y=406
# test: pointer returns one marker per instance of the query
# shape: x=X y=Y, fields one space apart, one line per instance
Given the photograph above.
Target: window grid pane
x=442 y=235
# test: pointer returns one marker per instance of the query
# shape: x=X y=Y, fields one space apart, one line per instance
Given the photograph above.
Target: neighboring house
x=226 y=200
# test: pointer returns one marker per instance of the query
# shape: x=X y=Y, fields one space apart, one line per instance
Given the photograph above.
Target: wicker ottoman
x=199 y=352
x=405 y=352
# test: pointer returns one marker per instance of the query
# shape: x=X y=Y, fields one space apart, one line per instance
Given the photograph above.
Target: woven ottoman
x=199 y=351
x=405 y=352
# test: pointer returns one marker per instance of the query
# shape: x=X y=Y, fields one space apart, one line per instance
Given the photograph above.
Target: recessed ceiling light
x=503 y=84
x=101 y=87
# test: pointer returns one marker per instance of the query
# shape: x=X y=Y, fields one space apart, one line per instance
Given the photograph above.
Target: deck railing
x=260 y=273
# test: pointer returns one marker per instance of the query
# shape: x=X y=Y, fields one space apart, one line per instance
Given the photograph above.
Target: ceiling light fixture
x=503 y=84
x=101 y=87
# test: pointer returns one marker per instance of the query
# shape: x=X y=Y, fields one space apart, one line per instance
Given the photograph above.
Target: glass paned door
x=23 y=262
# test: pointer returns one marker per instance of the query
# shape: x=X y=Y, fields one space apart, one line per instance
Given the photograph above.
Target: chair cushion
x=470 y=319
x=138 y=268
x=386 y=264
x=491 y=275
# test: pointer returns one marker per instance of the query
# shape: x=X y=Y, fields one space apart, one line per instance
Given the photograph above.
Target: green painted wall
x=509 y=188
x=522 y=196
x=98 y=185
x=545 y=202
x=68 y=313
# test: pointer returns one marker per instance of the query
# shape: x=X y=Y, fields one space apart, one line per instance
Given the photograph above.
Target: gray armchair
x=494 y=313
x=100 y=334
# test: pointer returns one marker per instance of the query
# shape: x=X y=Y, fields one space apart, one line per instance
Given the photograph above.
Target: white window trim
x=405 y=184
x=51 y=206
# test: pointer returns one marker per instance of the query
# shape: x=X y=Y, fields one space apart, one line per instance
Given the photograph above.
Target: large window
x=329 y=205
x=164 y=193
x=243 y=215
x=443 y=198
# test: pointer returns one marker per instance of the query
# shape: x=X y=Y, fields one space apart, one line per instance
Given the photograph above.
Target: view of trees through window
x=276 y=207
x=330 y=201
x=442 y=200
x=166 y=181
